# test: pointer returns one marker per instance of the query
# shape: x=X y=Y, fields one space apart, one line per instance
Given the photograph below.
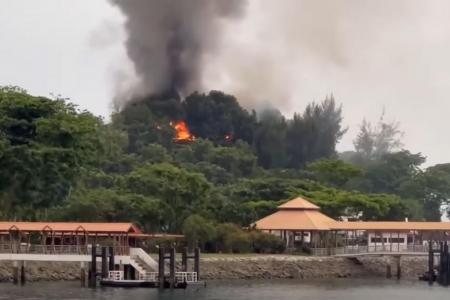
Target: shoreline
x=251 y=267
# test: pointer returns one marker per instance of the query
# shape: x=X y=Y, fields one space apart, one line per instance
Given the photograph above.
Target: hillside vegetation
x=60 y=163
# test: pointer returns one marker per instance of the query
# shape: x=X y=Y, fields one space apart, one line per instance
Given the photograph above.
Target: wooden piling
x=445 y=276
x=172 y=267
x=82 y=274
x=93 y=268
x=161 y=267
x=388 y=271
x=184 y=257
x=15 y=272
x=22 y=273
x=197 y=262
x=399 y=267
x=112 y=265
x=104 y=263
x=430 y=263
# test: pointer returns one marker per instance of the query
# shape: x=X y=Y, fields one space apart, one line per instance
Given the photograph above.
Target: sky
x=372 y=55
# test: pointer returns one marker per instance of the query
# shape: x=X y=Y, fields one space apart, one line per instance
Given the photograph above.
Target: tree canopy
x=61 y=163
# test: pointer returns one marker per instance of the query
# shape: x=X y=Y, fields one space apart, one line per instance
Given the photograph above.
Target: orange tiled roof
x=295 y=220
x=70 y=227
x=296 y=214
x=392 y=226
x=298 y=203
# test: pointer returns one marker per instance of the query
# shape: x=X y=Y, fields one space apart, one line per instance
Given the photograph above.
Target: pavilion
x=299 y=223
x=65 y=237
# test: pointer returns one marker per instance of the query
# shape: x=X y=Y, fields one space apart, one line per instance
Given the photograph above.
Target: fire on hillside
x=182 y=132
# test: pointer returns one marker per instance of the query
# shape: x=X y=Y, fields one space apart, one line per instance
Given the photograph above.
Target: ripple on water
x=345 y=289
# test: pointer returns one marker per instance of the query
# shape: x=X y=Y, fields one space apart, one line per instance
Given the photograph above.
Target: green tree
x=44 y=145
x=333 y=172
x=182 y=191
x=198 y=231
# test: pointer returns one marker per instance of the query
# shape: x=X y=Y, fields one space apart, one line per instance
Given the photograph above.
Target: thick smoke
x=169 y=39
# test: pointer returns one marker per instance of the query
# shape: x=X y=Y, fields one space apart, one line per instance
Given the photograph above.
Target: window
x=378 y=240
x=397 y=240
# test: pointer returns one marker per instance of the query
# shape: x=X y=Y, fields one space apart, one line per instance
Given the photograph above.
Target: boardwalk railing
x=188 y=277
x=55 y=249
x=357 y=249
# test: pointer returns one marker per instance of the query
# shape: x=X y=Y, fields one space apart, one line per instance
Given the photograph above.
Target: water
x=345 y=289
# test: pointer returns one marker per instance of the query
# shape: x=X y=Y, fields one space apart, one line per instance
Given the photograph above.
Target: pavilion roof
x=297 y=214
x=300 y=214
x=70 y=227
x=392 y=226
x=299 y=203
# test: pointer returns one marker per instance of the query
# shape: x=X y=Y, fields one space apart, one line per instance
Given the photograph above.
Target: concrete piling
x=15 y=272
x=83 y=274
x=388 y=271
x=22 y=273
x=399 y=266
x=172 y=267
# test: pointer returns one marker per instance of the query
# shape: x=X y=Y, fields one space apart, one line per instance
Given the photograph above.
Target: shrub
x=266 y=243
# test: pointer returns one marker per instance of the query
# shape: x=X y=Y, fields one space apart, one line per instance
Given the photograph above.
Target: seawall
x=304 y=267
x=226 y=267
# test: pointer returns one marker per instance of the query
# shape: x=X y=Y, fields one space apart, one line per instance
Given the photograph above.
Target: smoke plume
x=169 y=39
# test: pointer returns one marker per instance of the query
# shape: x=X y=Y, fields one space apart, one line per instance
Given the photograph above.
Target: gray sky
x=370 y=54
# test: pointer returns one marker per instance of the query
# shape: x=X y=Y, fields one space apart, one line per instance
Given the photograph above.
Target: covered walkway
x=302 y=226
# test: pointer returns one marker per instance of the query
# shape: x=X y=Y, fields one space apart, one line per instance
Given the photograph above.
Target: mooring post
x=82 y=274
x=22 y=273
x=430 y=263
x=184 y=255
x=197 y=262
x=441 y=259
x=112 y=265
x=93 y=268
x=399 y=267
x=172 y=267
x=445 y=265
x=161 y=267
x=104 y=263
x=15 y=272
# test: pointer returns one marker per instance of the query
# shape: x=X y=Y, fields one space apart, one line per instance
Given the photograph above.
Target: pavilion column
x=390 y=241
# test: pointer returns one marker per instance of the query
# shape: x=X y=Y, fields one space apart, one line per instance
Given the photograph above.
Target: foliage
x=373 y=141
x=198 y=231
x=44 y=144
x=60 y=163
x=333 y=172
x=183 y=192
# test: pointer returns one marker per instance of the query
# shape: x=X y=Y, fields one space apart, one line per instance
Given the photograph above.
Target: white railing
x=359 y=249
x=115 y=275
x=55 y=249
x=149 y=276
x=186 y=277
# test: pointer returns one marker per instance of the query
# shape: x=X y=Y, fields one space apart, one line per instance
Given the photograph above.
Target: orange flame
x=182 y=133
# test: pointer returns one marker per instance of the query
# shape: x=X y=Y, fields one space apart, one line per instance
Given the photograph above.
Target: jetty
x=108 y=253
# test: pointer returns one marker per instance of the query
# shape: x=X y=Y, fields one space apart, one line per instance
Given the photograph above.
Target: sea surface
x=345 y=289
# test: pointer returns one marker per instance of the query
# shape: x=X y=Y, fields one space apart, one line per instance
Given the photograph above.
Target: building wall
x=394 y=240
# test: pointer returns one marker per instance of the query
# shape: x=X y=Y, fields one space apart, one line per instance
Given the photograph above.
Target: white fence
x=357 y=249
x=187 y=277
x=115 y=275
x=55 y=249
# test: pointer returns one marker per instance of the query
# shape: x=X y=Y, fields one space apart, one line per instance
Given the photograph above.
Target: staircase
x=146 y=266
